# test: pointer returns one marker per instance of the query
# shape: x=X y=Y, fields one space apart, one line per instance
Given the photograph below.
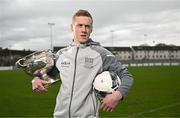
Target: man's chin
x=83 y=40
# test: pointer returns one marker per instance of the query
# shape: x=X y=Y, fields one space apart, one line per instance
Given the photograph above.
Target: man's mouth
x=83 y=35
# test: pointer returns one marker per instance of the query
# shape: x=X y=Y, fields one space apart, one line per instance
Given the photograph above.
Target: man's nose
x=83 y=29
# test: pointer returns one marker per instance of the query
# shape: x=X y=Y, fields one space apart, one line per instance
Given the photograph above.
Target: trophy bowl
x=38 y=64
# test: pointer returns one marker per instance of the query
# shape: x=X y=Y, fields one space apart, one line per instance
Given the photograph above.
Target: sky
x=24 y=23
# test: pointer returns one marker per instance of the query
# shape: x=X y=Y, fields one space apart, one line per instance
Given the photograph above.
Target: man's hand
x=39 y=85
x=111 y=101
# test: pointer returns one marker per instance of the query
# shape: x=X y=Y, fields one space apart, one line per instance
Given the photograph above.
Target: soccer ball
x=105 y=83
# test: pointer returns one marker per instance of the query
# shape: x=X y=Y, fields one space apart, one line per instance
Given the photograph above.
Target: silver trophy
x=38 y=64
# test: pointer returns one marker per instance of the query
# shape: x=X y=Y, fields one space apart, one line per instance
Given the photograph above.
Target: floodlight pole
x=10 y=56
x=145 y=38
x=51 y=34
x=112 y=33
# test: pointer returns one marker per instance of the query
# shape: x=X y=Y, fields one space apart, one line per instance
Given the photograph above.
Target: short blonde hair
x=82 y=12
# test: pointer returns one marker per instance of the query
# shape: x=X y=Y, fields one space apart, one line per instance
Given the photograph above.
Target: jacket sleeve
x=110 y=63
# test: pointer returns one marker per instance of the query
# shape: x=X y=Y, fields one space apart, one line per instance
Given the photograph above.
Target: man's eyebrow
x=83 y=24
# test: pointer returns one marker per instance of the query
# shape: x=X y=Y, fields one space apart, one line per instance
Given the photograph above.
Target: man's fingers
x=106 y=107
x=40 y=89
x=45 y=82
x=34 y=86
x=39 y=85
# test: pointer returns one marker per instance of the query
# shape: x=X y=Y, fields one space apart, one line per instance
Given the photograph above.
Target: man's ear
x=72 y=27
x=91 y=29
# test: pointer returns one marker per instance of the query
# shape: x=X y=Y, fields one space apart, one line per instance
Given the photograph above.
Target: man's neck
x=77 y=42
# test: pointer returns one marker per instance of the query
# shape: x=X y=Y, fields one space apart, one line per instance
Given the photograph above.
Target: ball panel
x=105 y=83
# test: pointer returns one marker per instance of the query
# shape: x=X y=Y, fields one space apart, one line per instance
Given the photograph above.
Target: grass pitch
x=155 y=93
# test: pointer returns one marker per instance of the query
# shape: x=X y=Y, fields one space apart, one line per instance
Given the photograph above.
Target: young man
x=78 y=65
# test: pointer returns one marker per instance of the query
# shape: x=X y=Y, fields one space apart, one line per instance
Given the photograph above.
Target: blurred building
x=9 y=57
x=159 y=53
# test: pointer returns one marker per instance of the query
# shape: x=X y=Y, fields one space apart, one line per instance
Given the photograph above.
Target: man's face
x=81 y=28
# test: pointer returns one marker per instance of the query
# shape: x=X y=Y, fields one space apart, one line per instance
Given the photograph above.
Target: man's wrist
x=120 y=95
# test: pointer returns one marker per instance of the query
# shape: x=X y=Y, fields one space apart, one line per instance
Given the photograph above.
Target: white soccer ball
x=105 y=83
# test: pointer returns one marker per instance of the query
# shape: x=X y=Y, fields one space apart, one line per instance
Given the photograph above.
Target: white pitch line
x=156 y=109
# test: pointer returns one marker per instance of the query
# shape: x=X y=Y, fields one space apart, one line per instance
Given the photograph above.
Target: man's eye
x=80 y=25
x=88 y=26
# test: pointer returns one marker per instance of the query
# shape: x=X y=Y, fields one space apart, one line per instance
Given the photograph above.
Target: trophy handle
x=55 y=57
x=20 y=63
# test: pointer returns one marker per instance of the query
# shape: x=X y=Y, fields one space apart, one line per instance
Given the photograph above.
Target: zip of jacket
x=75 y=63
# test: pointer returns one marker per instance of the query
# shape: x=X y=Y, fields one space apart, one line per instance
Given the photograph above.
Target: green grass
x=17 y=98
x=155 y=93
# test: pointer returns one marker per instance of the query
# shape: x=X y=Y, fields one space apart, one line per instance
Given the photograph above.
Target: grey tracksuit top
x=78 y=65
